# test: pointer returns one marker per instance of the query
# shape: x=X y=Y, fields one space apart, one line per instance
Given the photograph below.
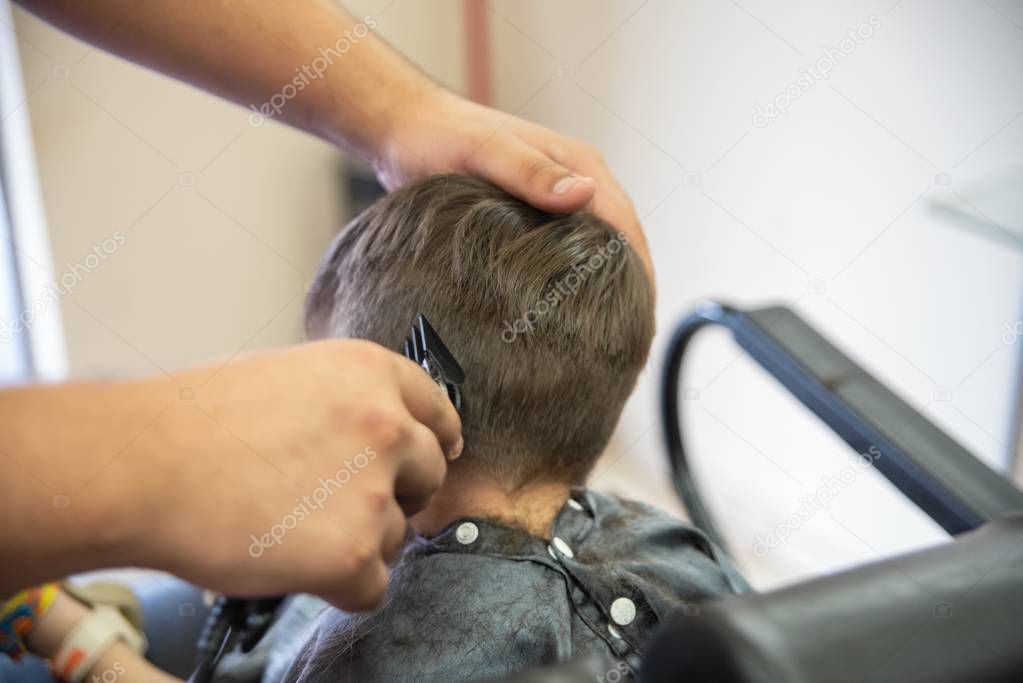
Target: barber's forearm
x=258 y=52
x=64 y=504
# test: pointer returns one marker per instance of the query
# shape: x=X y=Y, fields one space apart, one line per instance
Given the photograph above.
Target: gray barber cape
x=482 y=599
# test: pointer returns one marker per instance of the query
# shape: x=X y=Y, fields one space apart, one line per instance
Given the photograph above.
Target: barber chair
x=950 y=614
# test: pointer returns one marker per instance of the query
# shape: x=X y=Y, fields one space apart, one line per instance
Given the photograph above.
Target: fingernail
x=565 y=184
x=457 y=451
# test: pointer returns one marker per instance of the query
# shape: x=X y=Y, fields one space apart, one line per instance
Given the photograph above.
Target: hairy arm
x=247 y=51
x=311 y=64
x=129 y=473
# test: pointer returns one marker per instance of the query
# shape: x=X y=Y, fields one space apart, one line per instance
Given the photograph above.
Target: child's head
x=550 y=316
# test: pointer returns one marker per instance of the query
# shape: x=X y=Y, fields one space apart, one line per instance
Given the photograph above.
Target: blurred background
x=861 y=162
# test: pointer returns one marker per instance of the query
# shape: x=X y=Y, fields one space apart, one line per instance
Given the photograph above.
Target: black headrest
x=950 y=614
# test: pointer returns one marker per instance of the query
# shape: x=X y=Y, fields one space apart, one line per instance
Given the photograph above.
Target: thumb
x=524 y=171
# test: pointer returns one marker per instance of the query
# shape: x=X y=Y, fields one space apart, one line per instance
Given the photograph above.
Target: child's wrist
x=126 y=665
x=88 y=644
x=48 y=635
x=64 y=614
x=21 y=616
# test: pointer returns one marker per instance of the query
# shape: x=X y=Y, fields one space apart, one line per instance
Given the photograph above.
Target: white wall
x=840 y=190
x=222 y=224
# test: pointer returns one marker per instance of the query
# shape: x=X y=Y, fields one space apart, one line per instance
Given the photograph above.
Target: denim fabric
x=482 y=599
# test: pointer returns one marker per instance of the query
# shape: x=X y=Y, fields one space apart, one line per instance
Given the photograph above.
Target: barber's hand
x=443 y=133
x=291 y=471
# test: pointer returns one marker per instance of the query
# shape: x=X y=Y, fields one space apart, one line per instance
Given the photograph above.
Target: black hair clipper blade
x=425 y=347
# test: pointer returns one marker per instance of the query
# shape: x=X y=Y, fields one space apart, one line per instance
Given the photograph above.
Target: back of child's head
x=550 y=316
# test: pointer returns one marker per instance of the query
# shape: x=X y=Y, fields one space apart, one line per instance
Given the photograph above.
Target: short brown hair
x=550 y=316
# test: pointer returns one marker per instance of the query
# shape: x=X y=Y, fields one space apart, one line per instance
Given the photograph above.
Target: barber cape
x=482 y=600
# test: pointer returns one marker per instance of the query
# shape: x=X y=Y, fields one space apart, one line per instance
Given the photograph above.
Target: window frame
x=35 y=350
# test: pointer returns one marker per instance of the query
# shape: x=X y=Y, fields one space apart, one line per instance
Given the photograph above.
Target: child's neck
x=532 y=507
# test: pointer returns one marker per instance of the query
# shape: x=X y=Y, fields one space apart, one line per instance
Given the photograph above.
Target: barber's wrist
x=129 y=501
x=406 y=119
